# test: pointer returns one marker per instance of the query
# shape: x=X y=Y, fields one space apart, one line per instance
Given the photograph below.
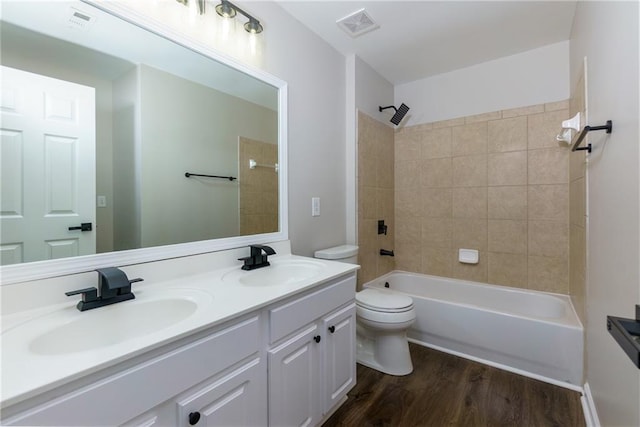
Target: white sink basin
x=69 y=330
x=279 y=273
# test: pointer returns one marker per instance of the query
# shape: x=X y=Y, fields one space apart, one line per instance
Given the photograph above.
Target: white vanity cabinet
x=288 y=363
x=312 y=354
x=218 y=373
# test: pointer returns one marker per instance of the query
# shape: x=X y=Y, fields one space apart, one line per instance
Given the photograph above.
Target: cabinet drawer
x=118 y=398
x=293 y=315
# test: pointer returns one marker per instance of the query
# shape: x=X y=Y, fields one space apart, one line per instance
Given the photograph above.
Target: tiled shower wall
x=375 y=197
x=496 y=182
x=258 y=187
x=577 y=210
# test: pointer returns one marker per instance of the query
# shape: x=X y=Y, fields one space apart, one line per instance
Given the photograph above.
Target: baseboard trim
x=589 y=407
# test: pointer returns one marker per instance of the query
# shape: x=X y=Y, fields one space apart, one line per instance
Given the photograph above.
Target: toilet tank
x=344 y=253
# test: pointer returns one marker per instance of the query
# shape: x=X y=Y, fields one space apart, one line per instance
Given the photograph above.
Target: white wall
x=607 y=34
x=315 y=73
x=529 y=78
x=188 y=127
x=126 y=170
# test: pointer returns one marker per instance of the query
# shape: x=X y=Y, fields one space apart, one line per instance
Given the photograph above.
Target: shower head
x=399 y=115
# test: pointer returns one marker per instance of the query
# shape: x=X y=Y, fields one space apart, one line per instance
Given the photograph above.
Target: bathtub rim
x=572 y=318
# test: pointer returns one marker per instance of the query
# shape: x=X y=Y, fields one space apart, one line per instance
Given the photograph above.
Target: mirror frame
x=17 y=273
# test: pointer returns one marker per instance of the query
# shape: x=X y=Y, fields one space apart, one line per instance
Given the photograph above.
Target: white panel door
x=339 y=355
x=47 y=152
x=294 y=381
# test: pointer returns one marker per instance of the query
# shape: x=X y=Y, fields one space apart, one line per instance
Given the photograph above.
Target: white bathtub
x=531 y=333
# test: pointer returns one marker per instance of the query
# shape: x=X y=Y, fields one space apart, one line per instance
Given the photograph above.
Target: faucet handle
x=88 y=294
x=257 y=250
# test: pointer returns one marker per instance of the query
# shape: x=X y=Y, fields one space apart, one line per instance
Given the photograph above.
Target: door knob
x=85 y=226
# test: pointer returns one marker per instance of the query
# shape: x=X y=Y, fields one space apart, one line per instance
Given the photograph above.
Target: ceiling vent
x=357 y=23
x=79 y=20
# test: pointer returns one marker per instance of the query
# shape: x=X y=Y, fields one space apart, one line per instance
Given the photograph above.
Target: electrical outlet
x=315 y=206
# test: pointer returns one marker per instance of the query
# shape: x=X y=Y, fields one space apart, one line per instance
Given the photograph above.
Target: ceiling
x=418 y=39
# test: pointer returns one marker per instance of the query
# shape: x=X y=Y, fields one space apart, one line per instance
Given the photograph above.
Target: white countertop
x=218 y=294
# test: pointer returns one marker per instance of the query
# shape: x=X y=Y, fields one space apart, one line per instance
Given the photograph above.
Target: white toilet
x=383 y=318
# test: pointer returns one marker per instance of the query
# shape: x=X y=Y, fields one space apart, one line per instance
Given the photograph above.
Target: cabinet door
x=339 y=355
x=236 y=398
x=294 y=387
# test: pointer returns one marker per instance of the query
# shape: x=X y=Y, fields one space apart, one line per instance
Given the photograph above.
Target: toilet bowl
x=382 y=320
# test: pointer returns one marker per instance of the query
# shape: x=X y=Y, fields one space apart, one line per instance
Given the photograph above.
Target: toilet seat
x=383 y=301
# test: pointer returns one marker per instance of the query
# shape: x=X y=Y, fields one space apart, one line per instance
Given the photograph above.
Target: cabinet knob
x=317 y=338
x=332 y=329
x=194 y=417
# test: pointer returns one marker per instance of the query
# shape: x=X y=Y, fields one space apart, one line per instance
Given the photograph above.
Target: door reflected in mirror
x=153 y=112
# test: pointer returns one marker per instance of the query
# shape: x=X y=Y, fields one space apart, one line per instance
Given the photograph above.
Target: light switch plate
x=315 y=206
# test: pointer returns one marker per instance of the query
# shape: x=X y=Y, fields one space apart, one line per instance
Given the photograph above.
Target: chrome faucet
x=257 y=259
x=114 y=287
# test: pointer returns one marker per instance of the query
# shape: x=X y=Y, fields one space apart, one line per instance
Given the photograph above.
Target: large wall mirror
x=121 y=144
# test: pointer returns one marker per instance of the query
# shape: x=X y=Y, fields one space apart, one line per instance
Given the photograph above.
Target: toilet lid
x=383 y=300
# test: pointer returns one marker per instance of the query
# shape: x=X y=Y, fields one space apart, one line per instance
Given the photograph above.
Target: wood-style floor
x=446 y=390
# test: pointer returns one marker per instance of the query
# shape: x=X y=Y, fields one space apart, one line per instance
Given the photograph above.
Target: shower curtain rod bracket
x=608 y=127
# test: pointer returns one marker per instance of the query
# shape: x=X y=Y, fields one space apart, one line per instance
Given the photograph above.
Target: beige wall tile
x=507 y=269
x=469 y=139
x=407 y=174
x=548 y=274
x=436 y=143
x=407 y=146
x=384 y=142
x=437 y=232
x=437 y=262
x=523 y=111
x=385 y=204
x=543 y=128
x=549 y=238
x=483 y=117
x=507 y=236
x=473 y=272
x=507 y=202
x=422 y=127
x=577 y=267
x=408 y=256
x=407 y=203
x=408 y=231
x=366 y=165
x=548 y=166
x=469 y=234
x=507 y=168
x=367 y=231
x=470 y=202
x=384 y=172
x=436 y=173
x=367 y=202
x=548 y=202
x=578 y=202
x=577 y=164
x=470 y=171
x=507 y=135
x=435 y=202
x=448 y=123
x=555 y=106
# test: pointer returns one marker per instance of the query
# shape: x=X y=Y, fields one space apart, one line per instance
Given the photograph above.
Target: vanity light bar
x=226 y=9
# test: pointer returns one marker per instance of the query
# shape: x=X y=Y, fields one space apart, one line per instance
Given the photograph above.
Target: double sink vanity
x=202 y=343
